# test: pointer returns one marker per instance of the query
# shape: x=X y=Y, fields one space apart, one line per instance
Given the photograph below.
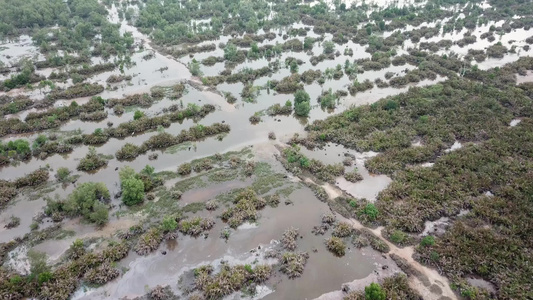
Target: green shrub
x=375 y=292
x=132 y=191
x=169 y=224
x=371 y=211
x=137 y=115
x=398 y=236
x=301 y=96
x=62 y=174
x=302 y=109
x=427 y=241
x=85 y=200
x=336 y=245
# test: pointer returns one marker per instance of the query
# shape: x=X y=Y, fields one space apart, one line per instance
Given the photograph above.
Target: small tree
x=86 y=200
x=329 y=47
x=294 y=66
x=301 y=96
x=132 y=191
x=375 y=292
x=194 y=67
x=308 y=43
x=302 y=109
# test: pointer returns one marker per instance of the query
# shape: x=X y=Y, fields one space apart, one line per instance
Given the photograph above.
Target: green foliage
x=308 y=43
x=169 y=224
x=329 y=47
x=302 y=105
x=398 y=236
x=132 y=187
x=62 y=174
x=328 y=100
x=44 y=277
x=87 y=200
x=427 y=241
x=370 y=211
x=194 y=67
x=137 y=115
x=133 y=191
x=374 y=291
x=230 y=52
x=38 y=263
x=294 y=66
x=302 y=109
x=301 y=96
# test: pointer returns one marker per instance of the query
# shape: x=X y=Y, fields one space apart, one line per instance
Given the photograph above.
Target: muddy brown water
x=156 y=268
x=324 y=272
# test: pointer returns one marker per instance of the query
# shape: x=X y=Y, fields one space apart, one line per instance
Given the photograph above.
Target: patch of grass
x=64 y=234
x=222 y=175
x=193 y=207
x=177 y=148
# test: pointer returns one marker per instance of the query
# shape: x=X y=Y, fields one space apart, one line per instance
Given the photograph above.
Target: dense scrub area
x=489 y=175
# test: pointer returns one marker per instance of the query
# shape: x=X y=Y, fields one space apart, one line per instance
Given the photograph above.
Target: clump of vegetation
x=288 y=240
x=161 y=293
x=370 y=212
x=296 y=161
x=302 y=105
x=245 y=208
x=348 y=161
x=375 y=242
x=327 y=99
x=169 y=224
x=254 y=119
x=277 y=109
x=202 y=165
x=427 y=241
x=165 y=140
x=394 y=287
x=211 y=205
x=336 y=246
x=196 y=226
x=293 y=264
x=118 y=78
x=91 y=161
x=132 y=187
x=342 y=230
x=229 y=280
x=102 y=274
x=176 y=195
x=62 y=174
x=8 y=190
x=149 y=241
x=13 y=222
x=76 y=91
x=89 y=200
x=128 y=151
x=398 y=237
x=273 y=200
x=353 y=176
x=328 y=218
x=271 y=135
x=185 y=169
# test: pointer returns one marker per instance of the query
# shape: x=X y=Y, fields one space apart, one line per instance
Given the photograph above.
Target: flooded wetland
x=266 y=149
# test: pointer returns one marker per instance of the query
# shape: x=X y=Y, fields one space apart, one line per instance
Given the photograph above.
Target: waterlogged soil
x=248 y=244
x=324 y=272
x=367 y=188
